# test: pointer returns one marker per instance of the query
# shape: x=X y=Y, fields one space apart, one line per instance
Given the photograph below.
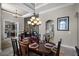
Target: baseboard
x=68 y=46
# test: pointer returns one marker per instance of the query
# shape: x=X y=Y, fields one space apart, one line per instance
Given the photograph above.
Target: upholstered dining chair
x=56 y=52
x=34 y=39
x=24 y=48
x=77 y=50
x=15 y=47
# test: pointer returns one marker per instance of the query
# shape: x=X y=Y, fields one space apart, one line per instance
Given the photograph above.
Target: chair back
x=58 y=48
x=77 y=50
x=47 y=37
x=34 y=39
x=15 y=46
x=24 y=48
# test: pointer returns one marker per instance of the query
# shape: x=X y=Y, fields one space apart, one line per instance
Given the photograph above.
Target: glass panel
x=62 y=25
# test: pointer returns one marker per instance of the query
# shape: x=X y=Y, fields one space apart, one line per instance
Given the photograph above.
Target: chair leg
x=13 y=54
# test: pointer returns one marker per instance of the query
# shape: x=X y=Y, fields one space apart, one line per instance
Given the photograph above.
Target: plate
x=33 y=45
x=48 y=45
x=54 y=48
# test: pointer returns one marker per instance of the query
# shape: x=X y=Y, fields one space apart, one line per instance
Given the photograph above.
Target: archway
x=49 y=30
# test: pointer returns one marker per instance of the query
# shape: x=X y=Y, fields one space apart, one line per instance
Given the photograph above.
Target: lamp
x=34 y=20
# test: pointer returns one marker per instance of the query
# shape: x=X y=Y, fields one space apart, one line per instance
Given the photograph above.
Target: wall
x=0 y=27
x=69 y=38
x=6 y=16
x=77 y=6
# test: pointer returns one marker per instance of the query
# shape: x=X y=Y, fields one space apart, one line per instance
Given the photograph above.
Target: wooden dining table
x=41 y=50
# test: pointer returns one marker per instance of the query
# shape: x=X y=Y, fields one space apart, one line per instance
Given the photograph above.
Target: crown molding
x=27 y=15
x=52 y=9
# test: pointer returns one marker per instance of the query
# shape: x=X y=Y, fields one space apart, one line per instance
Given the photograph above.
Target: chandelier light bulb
x=33 y=17
x=35 y=21
x=29 y=22
x=38 y=23
x=32 y=23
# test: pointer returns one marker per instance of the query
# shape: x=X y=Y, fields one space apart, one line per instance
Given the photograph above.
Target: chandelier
x=34 y=20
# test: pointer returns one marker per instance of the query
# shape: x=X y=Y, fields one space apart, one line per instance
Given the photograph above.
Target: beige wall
x=77 y=6
x=69 y=38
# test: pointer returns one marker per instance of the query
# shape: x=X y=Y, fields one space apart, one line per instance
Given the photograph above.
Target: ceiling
x=27 y=9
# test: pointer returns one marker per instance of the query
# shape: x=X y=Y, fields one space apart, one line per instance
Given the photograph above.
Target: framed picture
x=63 y=23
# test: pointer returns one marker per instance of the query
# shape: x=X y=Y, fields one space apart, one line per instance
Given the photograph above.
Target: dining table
x=42 y=50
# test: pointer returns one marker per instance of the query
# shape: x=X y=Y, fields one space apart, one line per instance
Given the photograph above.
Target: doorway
x=10 y=29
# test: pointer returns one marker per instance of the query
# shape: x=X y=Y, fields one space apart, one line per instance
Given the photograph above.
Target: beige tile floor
x=7 y=52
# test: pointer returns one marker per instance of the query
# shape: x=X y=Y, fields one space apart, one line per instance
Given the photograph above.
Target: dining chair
x=58 y=48
x=34 y=39
x=15 y=47
x=24 y=48
x=77 y=50
x=46 y=37
x=56 y=52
